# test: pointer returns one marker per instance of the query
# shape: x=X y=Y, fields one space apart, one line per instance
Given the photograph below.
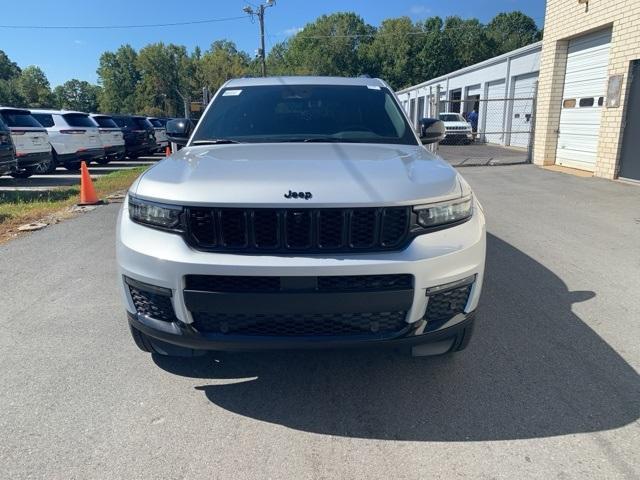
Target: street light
x=259 y=12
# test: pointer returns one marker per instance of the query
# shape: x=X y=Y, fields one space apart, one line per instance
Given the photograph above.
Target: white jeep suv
x=304 y=212
x=33 y=152
x=73 y=135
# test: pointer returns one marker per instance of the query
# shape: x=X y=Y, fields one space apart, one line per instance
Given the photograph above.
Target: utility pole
x=259 y=12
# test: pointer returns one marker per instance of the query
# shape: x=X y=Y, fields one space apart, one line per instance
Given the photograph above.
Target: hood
x=335 y=174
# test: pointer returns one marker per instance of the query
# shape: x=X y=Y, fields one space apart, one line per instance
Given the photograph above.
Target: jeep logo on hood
x=304 y=195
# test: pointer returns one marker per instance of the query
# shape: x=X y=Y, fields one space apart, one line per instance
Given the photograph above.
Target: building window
x=569 y=103
x=586 y=102
x=600 y=101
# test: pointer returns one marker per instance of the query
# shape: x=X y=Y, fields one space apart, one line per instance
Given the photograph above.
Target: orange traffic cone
x=167 y=151
x=87 y=192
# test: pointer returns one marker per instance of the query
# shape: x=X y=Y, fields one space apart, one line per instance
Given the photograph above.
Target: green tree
x=77 y=95
x=9 y=73
x=392 y=55
x=509 y=31
x=166 y=73
x=119 y=76
x=220 y=63
x=330 y=46
x=32 y=85
x=469 y=41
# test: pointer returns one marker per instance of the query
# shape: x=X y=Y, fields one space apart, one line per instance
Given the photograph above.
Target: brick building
x=588 y=108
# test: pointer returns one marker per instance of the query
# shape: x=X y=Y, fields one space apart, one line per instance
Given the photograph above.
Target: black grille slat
x=312 y=230
x=362 y=228
x=331 y=229
x=266 y=234
x=264 y=284
x=298 y=229
x=202 y=226
x=301 y=325
x=395 y=223
x=233 y=228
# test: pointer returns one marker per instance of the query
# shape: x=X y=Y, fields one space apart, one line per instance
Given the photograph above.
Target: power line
x=115 y=27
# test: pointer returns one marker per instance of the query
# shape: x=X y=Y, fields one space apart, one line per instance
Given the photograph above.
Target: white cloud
x=79 y=42
x=419 y=10
x=292 y=31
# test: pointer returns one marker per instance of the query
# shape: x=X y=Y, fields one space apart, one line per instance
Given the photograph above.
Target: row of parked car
x=37 y=141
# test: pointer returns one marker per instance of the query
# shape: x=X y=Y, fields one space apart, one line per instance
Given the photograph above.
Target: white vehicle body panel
x=87 y=138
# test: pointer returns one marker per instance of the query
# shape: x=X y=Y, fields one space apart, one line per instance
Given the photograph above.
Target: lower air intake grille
x=152 y=304
x=445 y=305
x=305 y=325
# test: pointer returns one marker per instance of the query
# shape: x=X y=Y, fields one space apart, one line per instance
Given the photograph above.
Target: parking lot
x=64 y=178
x=549 y=387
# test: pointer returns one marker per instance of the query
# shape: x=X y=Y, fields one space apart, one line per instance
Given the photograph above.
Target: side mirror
x=431 y=130
x=179 y=130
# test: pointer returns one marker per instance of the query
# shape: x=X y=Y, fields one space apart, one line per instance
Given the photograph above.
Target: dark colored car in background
x=139 y=135
x=8 y=162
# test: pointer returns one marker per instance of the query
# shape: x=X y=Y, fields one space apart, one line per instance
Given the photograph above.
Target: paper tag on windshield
x=231 y=93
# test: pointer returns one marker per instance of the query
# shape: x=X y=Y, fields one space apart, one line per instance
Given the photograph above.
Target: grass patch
x=18 y=208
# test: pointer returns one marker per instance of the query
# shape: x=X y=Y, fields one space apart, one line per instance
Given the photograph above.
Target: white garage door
x=522 y=109
x=582 y=100
x=494 y=112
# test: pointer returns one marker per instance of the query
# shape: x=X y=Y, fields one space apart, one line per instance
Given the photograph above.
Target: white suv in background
x=159 y=125
x=111 y=137
x=457 y=129
x=74 y=137
x=31 y=141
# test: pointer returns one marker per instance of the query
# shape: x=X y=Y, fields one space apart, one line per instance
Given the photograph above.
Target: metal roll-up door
x=522 y=109
x=494 y=112
x=583 y=99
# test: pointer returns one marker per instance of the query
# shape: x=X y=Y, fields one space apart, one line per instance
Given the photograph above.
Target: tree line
x=159 y=78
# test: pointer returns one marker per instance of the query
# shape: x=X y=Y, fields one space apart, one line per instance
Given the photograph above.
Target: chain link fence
x=486 y=128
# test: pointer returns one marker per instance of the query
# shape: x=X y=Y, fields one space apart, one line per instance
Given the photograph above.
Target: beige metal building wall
x=566 y=20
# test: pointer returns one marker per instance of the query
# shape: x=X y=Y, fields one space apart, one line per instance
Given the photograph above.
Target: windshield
x=19 y=118
x=142 y=123
x=155 y=122
x=451 y=117
x=290 y=113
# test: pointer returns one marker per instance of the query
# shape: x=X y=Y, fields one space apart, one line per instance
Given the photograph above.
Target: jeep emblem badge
x=301 y=195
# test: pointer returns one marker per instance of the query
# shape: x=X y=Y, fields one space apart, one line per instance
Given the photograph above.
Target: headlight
x=155 y=214
x=445 y=212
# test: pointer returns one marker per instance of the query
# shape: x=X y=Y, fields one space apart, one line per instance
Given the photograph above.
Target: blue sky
x=74 y=53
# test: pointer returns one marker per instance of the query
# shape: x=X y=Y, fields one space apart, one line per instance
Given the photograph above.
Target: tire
x=22 y=174
x=72 y=166
x=47 y=168
x=149 y=345
x=133 y=156
x=103 y=161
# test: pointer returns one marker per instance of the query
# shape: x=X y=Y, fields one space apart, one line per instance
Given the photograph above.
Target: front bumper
x=164 y=260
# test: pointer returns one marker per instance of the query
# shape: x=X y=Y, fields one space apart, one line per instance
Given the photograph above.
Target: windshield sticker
x=373 y=87
x=231 y=93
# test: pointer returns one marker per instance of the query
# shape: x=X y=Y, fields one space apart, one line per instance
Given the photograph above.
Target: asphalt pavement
x=548 y=388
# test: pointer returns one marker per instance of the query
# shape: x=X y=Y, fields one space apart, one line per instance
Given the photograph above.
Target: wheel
x=103 y=161
x=72 y=166
x=47 y=167
x=151 y=345
x=445 y=347
x=133 y=156
x=22 y=174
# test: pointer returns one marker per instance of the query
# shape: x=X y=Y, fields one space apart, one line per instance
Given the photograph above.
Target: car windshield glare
x=451 y=117
x=303 y=113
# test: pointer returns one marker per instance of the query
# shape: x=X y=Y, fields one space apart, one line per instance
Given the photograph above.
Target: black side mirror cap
x=431 y=130
x=179 y=130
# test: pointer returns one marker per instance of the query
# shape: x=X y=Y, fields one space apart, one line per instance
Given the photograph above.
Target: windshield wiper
x=323 y=139
x=213 y=141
